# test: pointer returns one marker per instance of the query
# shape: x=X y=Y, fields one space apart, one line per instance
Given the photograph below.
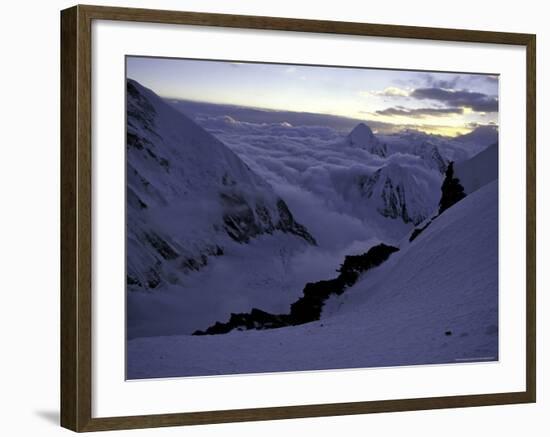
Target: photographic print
x=284 y=218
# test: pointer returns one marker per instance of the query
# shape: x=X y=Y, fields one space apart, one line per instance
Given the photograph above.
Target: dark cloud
x=419 y=112
x=474 y=125
x=441 y=83
x=428 y=80
x=478 y=102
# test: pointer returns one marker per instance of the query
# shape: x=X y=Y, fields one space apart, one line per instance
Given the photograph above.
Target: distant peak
x=363 y=137
x=361 y=131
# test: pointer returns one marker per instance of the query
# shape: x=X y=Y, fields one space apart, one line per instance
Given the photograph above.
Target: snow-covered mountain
x=396 y=191
x=362 y=136
x=454 y=149
x=403 y=189
x=399 y=183
x=188 y=195
x=433 y=148
x=431 y=156
x=434 y=301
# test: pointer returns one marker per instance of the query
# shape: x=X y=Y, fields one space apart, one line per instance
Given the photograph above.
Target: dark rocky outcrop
x=395 y=193
x=451 y=190
x=309 y=307
x=395 y=204
x=417 y=231
x=160 y=245
x=255 y=319
x=288 y=224
x=152 y=277
x=242 y=223
x=431 y=155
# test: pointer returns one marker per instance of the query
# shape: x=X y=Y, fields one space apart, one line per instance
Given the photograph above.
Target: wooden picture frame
x=76 y=217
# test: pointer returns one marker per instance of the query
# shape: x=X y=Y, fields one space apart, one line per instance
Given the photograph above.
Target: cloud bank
x=419 y=112
x=478 y=102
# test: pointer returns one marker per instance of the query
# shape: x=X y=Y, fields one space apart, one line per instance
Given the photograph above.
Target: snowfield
x=433 y=302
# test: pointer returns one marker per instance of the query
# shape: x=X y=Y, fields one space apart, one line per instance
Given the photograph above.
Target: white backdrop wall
x=29 y=223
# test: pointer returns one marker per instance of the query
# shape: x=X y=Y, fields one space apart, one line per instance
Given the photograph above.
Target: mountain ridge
x=187 y=193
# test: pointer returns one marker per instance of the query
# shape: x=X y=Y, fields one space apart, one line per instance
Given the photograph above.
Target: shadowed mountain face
x=431 y=155
x=363 y=137
x=188 y=195
x=400 y=192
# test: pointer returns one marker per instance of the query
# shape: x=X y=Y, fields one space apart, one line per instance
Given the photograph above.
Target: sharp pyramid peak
x=363 y=137
x=361 y=131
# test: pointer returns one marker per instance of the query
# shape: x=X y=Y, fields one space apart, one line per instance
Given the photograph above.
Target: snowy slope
x=188 y=195
x=478 y=170
x=435 y=301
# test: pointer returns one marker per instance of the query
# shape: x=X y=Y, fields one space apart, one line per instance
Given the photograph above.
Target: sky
x=443 y=103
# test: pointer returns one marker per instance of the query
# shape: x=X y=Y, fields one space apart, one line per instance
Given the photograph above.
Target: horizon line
x=358 y=120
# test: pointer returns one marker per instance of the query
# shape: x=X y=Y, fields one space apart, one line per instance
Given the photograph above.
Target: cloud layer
x=319 y=177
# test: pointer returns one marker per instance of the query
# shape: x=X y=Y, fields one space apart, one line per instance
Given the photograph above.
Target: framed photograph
x=268 y=218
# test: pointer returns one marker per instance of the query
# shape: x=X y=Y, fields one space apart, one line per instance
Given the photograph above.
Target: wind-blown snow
x=435 y=301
